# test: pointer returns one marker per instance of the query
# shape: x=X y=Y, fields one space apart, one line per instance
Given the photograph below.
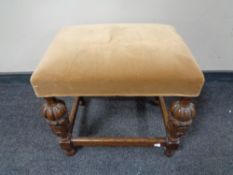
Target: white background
x=28 y=26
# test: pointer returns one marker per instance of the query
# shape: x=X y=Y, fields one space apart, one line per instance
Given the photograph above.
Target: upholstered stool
x=118 y=60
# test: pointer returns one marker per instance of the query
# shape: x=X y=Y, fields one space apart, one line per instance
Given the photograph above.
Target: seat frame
x=176 y=121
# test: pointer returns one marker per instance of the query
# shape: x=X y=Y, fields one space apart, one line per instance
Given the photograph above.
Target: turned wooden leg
x=55 y=112
x=180 y=118
x=81 y=101
x=156 y=100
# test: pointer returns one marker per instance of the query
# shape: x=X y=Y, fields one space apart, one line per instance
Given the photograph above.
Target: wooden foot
x=179 y=119
x=55 y=112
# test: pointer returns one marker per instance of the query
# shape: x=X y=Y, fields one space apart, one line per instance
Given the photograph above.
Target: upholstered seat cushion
x=118 y=60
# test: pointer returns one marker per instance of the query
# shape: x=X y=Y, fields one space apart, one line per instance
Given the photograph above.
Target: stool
x=118 y=60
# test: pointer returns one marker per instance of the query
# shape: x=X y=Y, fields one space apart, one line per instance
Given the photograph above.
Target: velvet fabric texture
x=118 y=60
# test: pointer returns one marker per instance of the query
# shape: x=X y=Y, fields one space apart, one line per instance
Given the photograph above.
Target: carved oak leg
x=180 y=118
x=55 y=112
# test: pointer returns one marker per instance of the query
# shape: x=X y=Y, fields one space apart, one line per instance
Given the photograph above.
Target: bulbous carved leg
x=180 y=118
x=55 y=112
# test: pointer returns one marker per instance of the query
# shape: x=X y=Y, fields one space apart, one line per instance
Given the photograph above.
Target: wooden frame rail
x=118 y=141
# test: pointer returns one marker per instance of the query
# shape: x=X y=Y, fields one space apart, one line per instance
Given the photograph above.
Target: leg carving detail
x=55 y=112
x=180 y=118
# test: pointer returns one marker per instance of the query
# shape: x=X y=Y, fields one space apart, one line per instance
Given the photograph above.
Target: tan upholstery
x=118 y=60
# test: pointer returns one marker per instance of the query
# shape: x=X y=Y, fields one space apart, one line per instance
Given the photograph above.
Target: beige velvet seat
x=118 y=60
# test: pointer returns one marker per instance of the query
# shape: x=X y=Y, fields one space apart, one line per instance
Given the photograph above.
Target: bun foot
x=168 y=152
x=70 y=152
